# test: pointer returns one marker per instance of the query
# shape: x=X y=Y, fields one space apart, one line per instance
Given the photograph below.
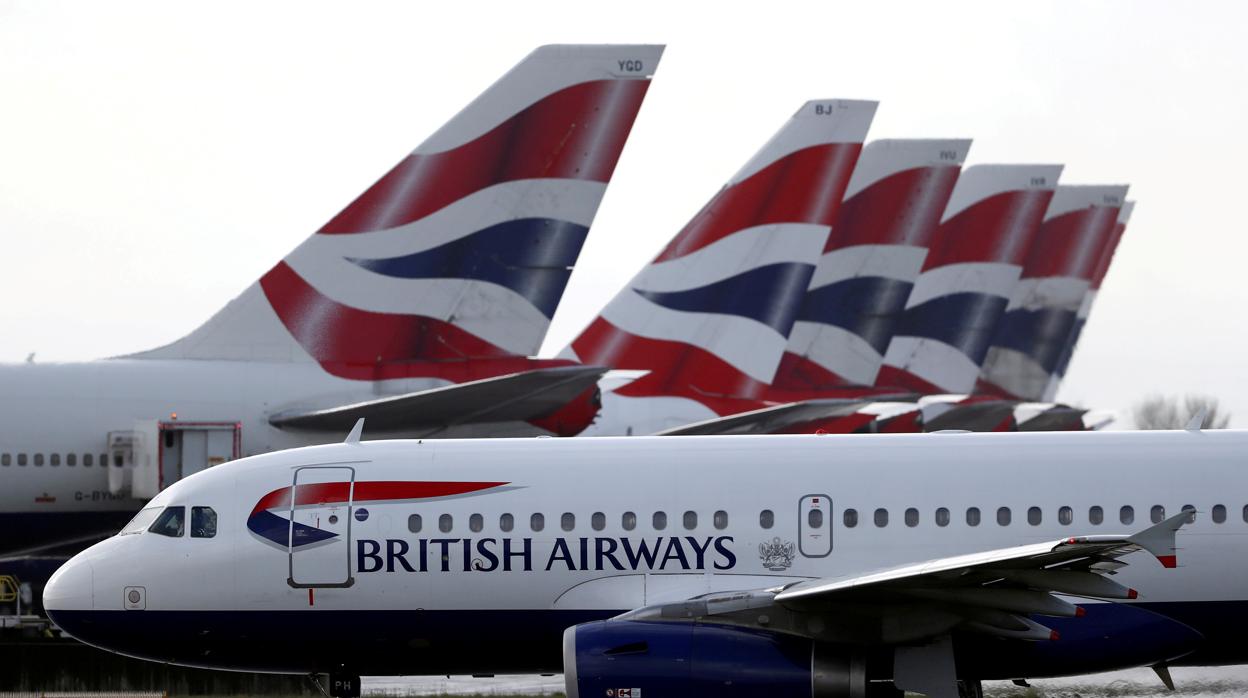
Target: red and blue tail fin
x=892 y=207
x=975 y=259
x=462 y=250
x=1057 y=274
x=710 y=316
x=1104 y=258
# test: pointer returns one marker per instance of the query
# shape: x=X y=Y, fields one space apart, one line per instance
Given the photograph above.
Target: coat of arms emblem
x=777 y=555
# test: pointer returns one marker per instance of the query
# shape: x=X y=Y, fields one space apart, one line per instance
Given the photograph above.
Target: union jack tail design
x=892 y=207
x=710 y=316
x=1057 y=274
x=462 y=250
x=1085 y=307
x=975 y=258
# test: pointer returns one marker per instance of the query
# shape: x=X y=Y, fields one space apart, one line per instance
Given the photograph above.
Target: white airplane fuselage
x=424 y=557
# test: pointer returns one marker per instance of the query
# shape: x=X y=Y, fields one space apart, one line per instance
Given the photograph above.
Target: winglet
x=356 y=432
x=1198 y=420
x=1159 y=539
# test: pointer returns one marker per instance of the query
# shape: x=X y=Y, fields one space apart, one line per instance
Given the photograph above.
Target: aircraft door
x=814 y=523
x=319 y=541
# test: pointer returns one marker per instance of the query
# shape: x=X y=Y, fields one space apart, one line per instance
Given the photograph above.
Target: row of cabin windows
x=54 y=459
x=1004 y=516
x=567 y=521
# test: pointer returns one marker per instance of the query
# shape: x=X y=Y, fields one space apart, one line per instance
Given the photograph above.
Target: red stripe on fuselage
x=575 y=133
x=380 y=491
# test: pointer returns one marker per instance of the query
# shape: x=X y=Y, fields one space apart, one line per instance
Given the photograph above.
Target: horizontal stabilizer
x=770 y=420
x=513 y=397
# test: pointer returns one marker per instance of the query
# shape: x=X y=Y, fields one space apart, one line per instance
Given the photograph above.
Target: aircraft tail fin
x=464 y=248
x=711 y=314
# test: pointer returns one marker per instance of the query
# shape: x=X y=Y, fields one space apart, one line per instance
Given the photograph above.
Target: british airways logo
x=662 y=553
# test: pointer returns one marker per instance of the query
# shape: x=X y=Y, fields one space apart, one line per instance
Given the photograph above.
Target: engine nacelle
x=622 y=659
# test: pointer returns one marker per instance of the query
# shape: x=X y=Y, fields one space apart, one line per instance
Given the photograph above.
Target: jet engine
x=622 y=659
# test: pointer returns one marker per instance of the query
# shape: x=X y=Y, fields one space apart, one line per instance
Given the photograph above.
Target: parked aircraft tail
x=975 y=258
x=892 y=207
x=463 y=250
x=710 y=316
x=1032 y=334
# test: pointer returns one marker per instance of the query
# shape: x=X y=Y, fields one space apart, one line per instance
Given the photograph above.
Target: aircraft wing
x=513 y=397
x=770 y=420
x=993 y=593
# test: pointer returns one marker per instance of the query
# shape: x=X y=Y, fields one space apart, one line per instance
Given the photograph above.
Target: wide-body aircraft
x=418 y=306
x=745 y=566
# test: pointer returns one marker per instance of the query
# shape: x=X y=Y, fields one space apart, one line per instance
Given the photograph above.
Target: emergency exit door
x=189 y=447
x=319 y=537
x=814 y=524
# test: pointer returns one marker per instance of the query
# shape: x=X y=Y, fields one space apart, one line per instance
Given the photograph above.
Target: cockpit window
x=203 y=522
x=141 y=521
x=171 y=522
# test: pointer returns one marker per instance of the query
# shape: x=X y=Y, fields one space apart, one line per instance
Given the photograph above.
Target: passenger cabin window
x=814 y=518
x=1034 y=516
x=141 y=521
x=171 y=522
x=475 y=523
x=506 y=522
x=568 y=521
x=1003 y=516
x=881 y=517
x=767 y=519
x=628 y=521
x=1190 y=511
x=720 y=520
x=537 y=522
x=71 y=459
x=86 y=460
x=850 y=518
x=690 y=520
x=414 y=523
x=38 y=459
x=1065 y=516
x=6 y=459
x=1096 y=515
x=942 y=517
x=1245 y=511
x=1219 y=513
x=203 y=522
x=21 y=460
x=598 y=521
x=445 y=523
x=912 y=517
x=1157 y=514
x=1126 y=515
x=54 y=459
x=659 y=520
x=972 y=516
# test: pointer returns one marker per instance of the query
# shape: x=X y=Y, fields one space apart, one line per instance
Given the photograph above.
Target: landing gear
x=342 y=683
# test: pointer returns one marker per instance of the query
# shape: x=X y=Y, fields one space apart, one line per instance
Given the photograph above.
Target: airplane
x=700 y=331
x=418 y=306
x=1030 y=337
x=839 y=565
x=1089 y=298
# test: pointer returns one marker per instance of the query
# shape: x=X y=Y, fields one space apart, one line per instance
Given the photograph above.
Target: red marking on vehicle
x=45 y=499
x=1168 y=561
x=310 y=596
x=1054 y=635
x=1080 y=611
x=1132 y=594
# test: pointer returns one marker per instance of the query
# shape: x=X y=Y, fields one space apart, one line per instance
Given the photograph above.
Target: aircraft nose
x=71 y=588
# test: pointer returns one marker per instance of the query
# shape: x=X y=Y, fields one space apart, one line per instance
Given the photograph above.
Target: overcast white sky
x=156 y=157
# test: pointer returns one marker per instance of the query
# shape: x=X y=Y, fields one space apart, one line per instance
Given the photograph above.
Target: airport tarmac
x=1191 y=682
